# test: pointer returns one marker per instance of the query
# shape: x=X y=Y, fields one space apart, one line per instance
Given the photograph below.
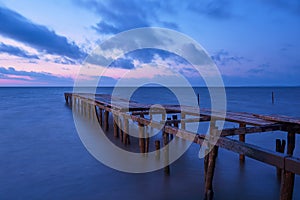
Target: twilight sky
x=253 y=43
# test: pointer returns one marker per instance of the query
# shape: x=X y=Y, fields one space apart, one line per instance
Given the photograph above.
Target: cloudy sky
x=253 y=43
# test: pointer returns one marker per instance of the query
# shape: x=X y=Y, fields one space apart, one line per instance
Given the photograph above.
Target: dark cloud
x=223 y=58
x=34 y=77
x=122 y=63
x=120 y=15
x=216 y=9
x=16 y=51
x=291 y=6
x=64 y=60
x=17 y=27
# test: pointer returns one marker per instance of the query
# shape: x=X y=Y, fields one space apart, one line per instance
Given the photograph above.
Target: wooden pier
x=101 y=106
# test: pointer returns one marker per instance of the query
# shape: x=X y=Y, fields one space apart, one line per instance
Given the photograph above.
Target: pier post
x=166 y=153
x=242 y=138
x=288 y=178
x=210 y=162
x=147 y=140
x=126 y=139
x=291 y=140
x=121 y=132
x=141 y=136
x=116 y=128
x=100 y=116
x=280 y=146
x=141 y=139
x=106 y=115
x=174 y=117
x=66 y=98
x=182 y=122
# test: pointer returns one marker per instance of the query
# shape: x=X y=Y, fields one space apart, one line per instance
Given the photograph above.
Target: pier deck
x=287 y=165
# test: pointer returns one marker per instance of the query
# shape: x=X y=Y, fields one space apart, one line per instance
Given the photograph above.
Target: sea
x=42 y=156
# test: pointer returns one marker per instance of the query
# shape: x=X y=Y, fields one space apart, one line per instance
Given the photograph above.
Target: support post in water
x=126 y=139
x=106 y=126
x=116 y=128
x=141 y=136
x=166 y=153
x=174 y=117
x=242 y=138
x=280 y=146
x=182 y=122
x=209 y=164
x=288 y=178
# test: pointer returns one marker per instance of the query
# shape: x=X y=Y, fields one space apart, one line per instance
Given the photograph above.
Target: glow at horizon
x=43 y=43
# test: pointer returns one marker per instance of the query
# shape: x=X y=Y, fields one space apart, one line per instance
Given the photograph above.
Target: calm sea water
x=42 y=157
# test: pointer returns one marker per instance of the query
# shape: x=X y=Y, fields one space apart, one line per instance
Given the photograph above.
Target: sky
x=252 y=43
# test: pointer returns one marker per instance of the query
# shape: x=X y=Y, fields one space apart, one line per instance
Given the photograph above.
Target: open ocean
x=42 y=157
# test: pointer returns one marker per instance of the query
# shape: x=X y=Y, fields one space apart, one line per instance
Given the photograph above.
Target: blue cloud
x=117 y=16
x=145 y=56
x=291 y=6
x=12 y=50
x=216 y=9
x=36 y=77
x=17 y=27
x=122 y=63
x=223 y=58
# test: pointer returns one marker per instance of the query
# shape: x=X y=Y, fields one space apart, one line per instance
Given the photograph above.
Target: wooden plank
x=279 y=118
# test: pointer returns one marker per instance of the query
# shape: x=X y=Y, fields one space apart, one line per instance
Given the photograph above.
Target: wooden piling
x=147 y=140
x=280 y=146
x=287 y=185
x=210 y=174
x=288 y=178
x=174 y=117
x=182 y=122
x=101 y=116
x=166 y=153
x=242 y=138
x=116 y=128
x=121 y=132
x=126 y=139
x=106 y=125
x=291 y=140
x=141 y=136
